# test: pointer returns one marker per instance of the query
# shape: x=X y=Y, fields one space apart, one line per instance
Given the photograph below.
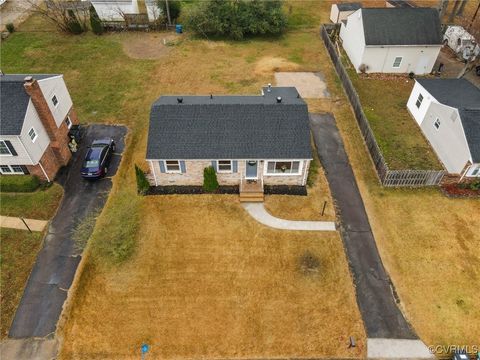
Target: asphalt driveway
x=375 y=299
x=54 y=269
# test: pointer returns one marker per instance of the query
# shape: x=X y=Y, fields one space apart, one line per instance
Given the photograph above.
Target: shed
x=341 y=11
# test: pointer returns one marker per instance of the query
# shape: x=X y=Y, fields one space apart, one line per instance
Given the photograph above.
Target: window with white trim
x=54 y=100
x=172 y=166
x=5 y=169
x=33 y=134
x=397 y=62
x=419 y=101
x=437 y=123
x=283 y=167
x=4 y=150
x=476 y=172
x=68 y=122
x=224 y=166
x=11 y=169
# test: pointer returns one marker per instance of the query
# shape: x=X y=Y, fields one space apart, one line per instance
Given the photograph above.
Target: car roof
x=104 y=142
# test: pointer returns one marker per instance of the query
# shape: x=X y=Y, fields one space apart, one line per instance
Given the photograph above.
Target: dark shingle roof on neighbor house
x=14 y=102
x=349 y=6
x=230 y=127
x=464 y=96
x=401 y=26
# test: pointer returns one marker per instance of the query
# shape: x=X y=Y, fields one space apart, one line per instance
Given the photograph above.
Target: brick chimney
x=33 y=89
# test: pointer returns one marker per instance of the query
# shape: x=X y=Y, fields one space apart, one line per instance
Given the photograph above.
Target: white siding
x=353 y=38
x=448 y=141
x=37 y=148
x=337 y=16
x=112 y=10
x=419 y=113
x=416 y=59
x=56 y=87
x=22 y=156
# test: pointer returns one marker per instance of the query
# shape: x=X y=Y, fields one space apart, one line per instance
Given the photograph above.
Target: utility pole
x=168 y=12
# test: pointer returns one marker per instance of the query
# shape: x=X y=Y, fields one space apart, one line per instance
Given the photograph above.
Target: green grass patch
x=115 y=239
x=19 y=183
x=40 y=204
x=18 y=251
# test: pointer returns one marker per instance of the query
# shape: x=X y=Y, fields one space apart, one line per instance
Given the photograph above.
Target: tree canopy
x=237 y=18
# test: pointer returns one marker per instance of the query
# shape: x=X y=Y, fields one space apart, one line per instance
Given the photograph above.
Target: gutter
x=402 y=46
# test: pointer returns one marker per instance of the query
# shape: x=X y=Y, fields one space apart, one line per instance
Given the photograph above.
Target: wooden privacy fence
x=386 y=176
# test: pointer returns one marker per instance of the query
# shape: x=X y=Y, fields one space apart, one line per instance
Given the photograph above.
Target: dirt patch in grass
x=270 y=64
x=140 y=45
x=222 y=287
x=18 y=251
x=308 y=84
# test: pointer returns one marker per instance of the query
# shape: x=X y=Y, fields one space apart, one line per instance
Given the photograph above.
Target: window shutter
x=234 y=166
x=162 y=166
x=25 y=170
x=11 y=148
x=182 y=166
x=214 y=165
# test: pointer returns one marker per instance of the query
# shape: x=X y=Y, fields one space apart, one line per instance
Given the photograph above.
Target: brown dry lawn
x=209 y=281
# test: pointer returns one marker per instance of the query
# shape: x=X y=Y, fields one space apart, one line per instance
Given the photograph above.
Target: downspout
x=304 y=181
x=153 y=171
x=465 y=173
x=44 y=172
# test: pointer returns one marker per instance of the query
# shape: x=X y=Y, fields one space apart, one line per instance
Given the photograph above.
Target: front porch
x=251 y=190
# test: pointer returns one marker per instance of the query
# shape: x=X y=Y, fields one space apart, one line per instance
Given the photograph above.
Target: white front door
x=422 y=65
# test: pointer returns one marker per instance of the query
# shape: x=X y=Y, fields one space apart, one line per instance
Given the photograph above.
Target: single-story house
x=115 y=10
x=36 y=114
x=250 y=141
x=392 y=40
x=340 y=11
x=448 y=112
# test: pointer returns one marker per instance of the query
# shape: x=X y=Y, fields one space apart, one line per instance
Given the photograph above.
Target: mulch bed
x=453 y=191
x=198 y=190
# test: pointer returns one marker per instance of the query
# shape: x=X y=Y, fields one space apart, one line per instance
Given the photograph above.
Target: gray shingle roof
x=471 y=126
x=230 y=127
x=349 y=6
x=401 y=26
x=14 y=102
x=457 y=93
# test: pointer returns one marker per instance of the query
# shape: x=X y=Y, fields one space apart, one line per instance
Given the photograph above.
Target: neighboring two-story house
x=448 y=112
x=36 y=113
x=392 y=40
x=250 y=141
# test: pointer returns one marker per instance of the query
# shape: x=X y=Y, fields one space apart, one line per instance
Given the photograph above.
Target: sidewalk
x=258 y=212
x=17 y=223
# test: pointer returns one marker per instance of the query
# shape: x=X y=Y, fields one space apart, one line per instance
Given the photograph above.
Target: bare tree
x=60 y=12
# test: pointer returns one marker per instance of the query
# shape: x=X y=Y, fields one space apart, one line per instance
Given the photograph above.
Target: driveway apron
x=54 y=269
x=380 y=313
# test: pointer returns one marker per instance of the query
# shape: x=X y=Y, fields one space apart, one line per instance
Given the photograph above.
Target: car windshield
x=91 y=163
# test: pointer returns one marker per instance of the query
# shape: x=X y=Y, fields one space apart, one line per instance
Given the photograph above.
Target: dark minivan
x=98 y=158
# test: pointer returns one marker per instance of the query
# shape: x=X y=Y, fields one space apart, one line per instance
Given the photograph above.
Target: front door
x=251 y=169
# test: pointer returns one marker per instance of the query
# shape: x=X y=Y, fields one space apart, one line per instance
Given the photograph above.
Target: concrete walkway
x=17 y=223
x=31 y=349
x=397 y=349
x=258 y=212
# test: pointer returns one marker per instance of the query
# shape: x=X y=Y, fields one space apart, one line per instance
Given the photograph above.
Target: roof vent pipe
x=180 y=100
x=269 y=87
x=211 y=96
x=279 y=99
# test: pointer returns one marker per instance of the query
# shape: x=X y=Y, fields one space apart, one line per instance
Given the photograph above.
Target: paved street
x=380 y=313
x=55 y=266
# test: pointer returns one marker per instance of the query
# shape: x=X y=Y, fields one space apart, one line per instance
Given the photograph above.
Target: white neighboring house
x=341 y=11
x=392 y=40
x=448 y=112
x=112 y=10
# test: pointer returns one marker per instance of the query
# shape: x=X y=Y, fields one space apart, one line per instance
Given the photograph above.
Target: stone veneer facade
x=194 y=174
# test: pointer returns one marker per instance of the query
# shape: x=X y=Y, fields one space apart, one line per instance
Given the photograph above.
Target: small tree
x=95 y=22
x=142 y=183
x=210 y=182
x=74 y=25
x=10 y=27
x=174 y=8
